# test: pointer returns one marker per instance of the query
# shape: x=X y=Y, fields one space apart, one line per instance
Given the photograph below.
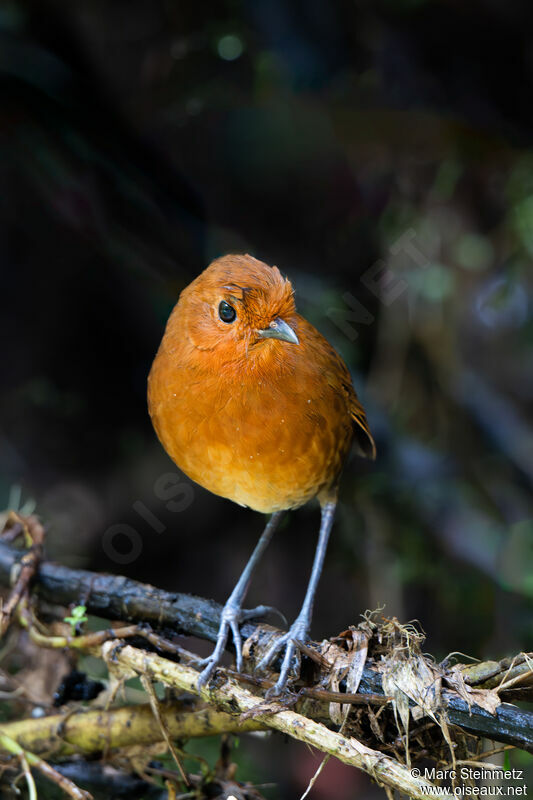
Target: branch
x=117 y=597
x=237 y=700
x=92 y=732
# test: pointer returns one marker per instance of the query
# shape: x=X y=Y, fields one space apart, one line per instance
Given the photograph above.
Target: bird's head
x=236 y=306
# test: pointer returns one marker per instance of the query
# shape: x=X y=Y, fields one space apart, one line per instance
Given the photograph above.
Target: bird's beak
x=278 y=329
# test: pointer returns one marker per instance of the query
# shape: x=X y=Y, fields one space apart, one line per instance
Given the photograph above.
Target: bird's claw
x=229 y=621
x=210 y=666
x=261 y=611
x=232 y=616
x=290 y=665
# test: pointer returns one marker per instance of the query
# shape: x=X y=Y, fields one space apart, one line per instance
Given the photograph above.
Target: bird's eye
x=226 y=312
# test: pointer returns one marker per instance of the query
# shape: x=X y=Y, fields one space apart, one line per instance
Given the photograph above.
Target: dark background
x=140 y=140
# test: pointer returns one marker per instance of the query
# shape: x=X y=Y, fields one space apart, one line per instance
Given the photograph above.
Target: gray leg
x=300 y=628
x=232 y=614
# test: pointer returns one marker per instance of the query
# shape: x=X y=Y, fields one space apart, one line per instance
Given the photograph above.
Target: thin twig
x=346 y=698
x=34 y=536
x=32 y=791
x=11 y=746
x=154 y=703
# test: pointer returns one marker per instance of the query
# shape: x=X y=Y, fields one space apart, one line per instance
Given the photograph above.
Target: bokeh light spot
x=230 y=47
x=474 y=252
x=434 y=283
x=502 y=303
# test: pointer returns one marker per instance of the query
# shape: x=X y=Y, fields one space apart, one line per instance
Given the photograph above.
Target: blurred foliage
x=349 y=143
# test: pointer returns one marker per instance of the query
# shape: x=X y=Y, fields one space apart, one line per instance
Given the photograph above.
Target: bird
x=254 y=404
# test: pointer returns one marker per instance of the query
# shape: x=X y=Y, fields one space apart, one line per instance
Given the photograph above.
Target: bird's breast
x=265 y=443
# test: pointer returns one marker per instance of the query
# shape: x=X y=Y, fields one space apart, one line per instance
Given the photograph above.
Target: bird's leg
x=232 y=613
x=300 y=628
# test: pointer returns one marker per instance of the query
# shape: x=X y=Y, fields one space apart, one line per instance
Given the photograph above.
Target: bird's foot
x=261 y=611
x=298 y=632
x=232 y=616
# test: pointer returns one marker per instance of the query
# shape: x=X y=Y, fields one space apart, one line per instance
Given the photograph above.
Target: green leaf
x=77 y=617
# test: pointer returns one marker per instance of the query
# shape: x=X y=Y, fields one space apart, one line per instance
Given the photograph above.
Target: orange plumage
x=260 y=421
x=247 y=397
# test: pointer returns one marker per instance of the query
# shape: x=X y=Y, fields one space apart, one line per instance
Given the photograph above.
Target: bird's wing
x=338 y=376
x=362 y=435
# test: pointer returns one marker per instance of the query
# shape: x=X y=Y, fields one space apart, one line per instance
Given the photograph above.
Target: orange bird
x=252 y=403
